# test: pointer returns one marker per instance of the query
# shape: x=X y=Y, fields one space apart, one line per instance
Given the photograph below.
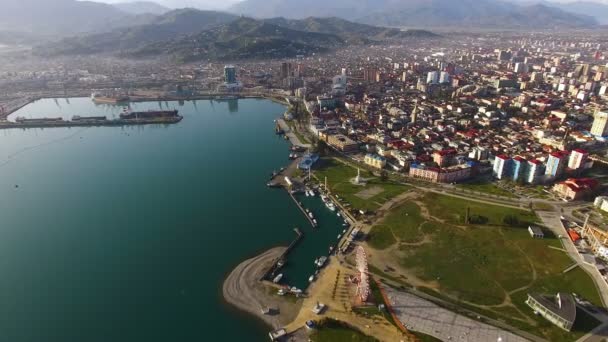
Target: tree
x=383 y=175
x=511 y=220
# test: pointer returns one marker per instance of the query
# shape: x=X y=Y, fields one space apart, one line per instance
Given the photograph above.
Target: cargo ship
x=151 y=114
x=109 y=99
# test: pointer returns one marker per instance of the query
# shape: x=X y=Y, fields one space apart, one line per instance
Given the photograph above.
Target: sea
x=127 y=233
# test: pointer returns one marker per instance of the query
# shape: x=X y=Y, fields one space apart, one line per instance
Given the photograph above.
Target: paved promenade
x=421 y=315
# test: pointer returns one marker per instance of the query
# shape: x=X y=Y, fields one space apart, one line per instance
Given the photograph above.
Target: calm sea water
x=126 y=234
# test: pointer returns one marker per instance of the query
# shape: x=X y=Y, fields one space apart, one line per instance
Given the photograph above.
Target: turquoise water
x=126 y=233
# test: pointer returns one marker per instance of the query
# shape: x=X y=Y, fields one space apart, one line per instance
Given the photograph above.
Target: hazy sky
x=185 y=3
x=226 y=3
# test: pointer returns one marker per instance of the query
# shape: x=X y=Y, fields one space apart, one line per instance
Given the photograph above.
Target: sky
x=215 y=4
x=220 y=4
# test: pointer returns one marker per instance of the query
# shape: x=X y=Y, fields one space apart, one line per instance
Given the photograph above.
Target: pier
x=312 y=223
x=275 y=267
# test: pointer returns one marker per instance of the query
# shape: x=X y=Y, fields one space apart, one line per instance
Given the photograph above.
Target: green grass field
x=330 y=330
x=339 y=178
x=486 y=187
x=484 y=265
x=453 y=210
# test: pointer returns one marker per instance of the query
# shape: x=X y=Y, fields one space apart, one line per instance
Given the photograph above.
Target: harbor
x=146 y=205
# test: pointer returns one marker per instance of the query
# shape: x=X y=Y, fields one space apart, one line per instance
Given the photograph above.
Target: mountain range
x=48 y=18
x=595 y=9
x=142 y=7
x=422 y=13
x=190 y=34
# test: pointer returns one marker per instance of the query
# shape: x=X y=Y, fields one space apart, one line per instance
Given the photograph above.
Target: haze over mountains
x=422 y=13
x=190 y=34
x=71 y=17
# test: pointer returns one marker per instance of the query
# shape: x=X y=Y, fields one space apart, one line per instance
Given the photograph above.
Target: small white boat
x=339 y=215
x=311 y=216
x=339 y=236
x=278 y=278
x=311 y=278
x=321 y=262
x=314 y=221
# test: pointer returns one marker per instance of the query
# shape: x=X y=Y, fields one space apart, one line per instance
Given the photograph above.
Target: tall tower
x=230 y=74
x=414 y=116
x=600 y=124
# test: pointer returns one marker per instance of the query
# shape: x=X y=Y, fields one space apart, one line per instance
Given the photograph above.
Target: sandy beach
x=243 y=289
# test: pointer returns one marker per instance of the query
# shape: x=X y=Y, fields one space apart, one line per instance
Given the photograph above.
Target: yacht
x=321 y=262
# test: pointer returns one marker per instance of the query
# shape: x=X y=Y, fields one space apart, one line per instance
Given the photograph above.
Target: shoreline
x=243 y=290
x=217 y=97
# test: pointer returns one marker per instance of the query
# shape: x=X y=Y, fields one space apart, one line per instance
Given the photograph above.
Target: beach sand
x=243 y=289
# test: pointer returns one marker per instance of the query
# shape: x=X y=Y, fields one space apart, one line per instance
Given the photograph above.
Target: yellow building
x=375 y=161
x=343 y=143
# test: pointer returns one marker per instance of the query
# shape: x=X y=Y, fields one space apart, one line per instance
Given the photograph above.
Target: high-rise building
x=519 y=167
x=535 y=171
x=504 y=55
x=432 y=77
x=520 y=68
x=230 y=74
x=502 y=166
x=286 y=70
x=600 y=124
x=444 y=77
x=578 y=158
x=370 y=74
x=556 y=164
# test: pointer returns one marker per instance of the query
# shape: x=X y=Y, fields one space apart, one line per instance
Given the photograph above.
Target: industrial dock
x=127 y=118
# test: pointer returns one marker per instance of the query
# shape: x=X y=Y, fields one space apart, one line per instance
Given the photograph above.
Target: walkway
x=291 y=135
x=420 y=315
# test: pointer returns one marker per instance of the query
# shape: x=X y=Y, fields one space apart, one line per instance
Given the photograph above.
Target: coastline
x=244 y=290
x=27 y=100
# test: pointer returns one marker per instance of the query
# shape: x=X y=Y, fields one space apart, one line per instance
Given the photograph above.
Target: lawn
x=407 y=218
x=453 y=210
x=482 y=264
x=486 y=187
x=339 y=177
x=330 y=330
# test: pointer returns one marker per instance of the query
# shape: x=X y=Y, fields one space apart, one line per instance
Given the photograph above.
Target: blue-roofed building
x=308 y=160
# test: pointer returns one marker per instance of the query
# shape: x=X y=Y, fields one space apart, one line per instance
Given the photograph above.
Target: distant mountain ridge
x=58 y=16
x=348 y=29
x=142 y=7
x=168 y=26
x=244 y=38
x=191 y=34
x=421 y=13
x=597 y=10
